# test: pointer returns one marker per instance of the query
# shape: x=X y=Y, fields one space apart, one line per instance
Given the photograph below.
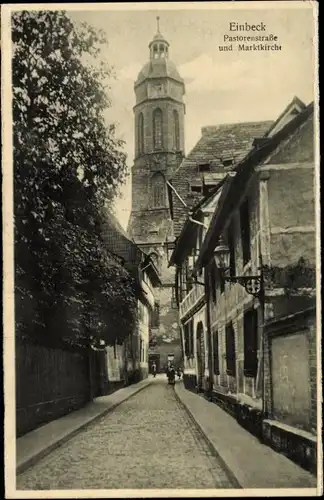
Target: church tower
x=159 y=148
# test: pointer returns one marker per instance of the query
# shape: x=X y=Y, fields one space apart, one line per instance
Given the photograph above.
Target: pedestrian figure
x=154 y=369
x=179 y=372
x=171 y=375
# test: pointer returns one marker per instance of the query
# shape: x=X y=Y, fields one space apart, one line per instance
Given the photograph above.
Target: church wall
x=167 y=107
x=175 y=90
x=140 y=188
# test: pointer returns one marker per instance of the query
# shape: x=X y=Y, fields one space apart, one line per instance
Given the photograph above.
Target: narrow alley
x=149 y=441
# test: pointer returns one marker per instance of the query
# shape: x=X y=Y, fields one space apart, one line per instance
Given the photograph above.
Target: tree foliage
x=68 y=166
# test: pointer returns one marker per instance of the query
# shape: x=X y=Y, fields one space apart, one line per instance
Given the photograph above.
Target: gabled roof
x=244 y=170
x=216 y=145
x=120 y=243
x=189 y=228
x=290 y=111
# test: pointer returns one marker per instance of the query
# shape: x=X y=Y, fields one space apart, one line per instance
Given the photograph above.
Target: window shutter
x=186 y=339
x=230 y=350
x=250 y=343
x=216 y=353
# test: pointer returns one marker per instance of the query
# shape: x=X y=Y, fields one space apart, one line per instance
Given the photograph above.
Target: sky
x=221 y=86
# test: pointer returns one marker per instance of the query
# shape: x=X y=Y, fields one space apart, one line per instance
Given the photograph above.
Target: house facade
x=259 y=370
x=128 y=363
x=197 y=186
x=191 y=293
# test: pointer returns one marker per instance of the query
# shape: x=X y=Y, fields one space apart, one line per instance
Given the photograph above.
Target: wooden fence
x=51 y=382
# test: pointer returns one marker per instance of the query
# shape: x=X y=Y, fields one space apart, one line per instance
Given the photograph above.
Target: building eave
x=186 y=230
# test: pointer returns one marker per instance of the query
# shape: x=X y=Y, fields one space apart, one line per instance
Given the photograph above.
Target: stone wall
x=167 y=107
x=291 y=213
x=290 y=426
x=292 y=370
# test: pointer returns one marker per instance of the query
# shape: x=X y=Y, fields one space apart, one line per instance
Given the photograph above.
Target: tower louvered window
x=140 y=133
x=157 y=129
x=176 y=132
x=158 y=190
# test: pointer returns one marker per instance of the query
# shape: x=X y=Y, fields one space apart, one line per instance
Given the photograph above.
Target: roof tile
x=217 y=143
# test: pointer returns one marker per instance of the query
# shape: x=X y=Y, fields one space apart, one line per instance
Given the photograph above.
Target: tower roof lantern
x=158 y=37
x=159 y=64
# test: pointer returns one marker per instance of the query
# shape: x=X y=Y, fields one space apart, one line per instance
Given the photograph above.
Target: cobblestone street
x=149 y=441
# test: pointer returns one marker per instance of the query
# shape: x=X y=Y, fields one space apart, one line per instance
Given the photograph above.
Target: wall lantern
x=222 y=255
x=253 y=285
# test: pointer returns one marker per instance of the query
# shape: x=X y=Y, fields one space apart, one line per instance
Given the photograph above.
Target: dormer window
x=195 y=189
x=227 y=162
x=204 y=167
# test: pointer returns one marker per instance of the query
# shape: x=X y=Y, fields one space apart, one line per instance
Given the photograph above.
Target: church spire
x=159 y=47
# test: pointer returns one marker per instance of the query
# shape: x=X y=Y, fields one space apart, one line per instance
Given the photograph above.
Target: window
x=228 y=162
x=157 y=129
x=186 y=339
x=250 y=343
x=189 y=339
x=231 y=245
x=204 y=167
x=189 y=278
x=155 y=318
x=158 y=190
x=176 y=132
x=245 y=231
x=195 y=189
x=140 y=132
x=230 y=350
x=215 y=353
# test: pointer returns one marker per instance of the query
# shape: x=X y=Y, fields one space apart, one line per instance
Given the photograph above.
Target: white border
x=8 y=254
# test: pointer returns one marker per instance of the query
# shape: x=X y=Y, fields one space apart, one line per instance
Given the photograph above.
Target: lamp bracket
x=252 y=284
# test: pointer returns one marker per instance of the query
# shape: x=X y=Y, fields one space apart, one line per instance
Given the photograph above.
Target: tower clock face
x=157 y=89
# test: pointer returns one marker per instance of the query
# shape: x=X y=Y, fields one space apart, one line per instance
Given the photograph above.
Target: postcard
x=161 y=202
